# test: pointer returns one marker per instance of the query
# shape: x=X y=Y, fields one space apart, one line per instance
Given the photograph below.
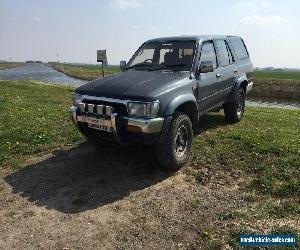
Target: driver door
x=208 y=83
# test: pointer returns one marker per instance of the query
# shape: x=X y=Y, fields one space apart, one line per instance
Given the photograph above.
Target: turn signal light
x=132 y=128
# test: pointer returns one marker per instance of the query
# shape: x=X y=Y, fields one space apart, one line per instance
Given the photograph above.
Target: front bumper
x=119 y=125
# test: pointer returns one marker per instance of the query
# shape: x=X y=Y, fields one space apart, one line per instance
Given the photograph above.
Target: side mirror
x=122 y=65
x=206 y=66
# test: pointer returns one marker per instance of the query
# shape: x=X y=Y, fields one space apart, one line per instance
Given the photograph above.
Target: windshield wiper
x=139 y=65
x=169 y=66
x=176 y=65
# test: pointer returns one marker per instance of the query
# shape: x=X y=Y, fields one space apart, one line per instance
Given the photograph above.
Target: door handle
x=218 y=75
x=235 y=71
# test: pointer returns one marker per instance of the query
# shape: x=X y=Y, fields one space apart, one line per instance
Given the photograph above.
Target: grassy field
x=9 y=65
x=253 y=166
x=37 y=114
x=282 y=75
x=33 y=114
x=265 y=145
x=85 y=71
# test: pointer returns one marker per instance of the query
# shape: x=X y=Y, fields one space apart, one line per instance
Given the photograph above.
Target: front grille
x=98 y=107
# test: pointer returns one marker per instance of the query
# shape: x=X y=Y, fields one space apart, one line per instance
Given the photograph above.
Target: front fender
x=177 y=101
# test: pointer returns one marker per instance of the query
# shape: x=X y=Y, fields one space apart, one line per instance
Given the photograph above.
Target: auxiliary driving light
x=108 y=110
x=91 y=108
x=100 y=109
x=82 y=107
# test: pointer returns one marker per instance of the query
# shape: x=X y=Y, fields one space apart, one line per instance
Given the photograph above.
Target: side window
x=239 y=47
x=208 y=53
x=223 y=53
x=231 y=57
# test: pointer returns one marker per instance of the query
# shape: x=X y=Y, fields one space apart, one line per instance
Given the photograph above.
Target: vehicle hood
x=139 y=85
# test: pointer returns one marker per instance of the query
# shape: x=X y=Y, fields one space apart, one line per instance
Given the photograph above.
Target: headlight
x=143 y=109
x=77 y=99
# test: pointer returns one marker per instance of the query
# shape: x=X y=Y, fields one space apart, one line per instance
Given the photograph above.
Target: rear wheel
x=234 y=111
x=172 y=152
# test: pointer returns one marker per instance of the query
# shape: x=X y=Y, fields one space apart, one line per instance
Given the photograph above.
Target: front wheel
x=234 y=111
x=172 y=152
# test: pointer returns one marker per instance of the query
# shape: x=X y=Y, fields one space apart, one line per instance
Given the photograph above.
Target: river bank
x=286 y=89
x=11 y=65
x=84 y=72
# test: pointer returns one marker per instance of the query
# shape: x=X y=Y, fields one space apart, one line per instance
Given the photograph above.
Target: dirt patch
x=112 y=198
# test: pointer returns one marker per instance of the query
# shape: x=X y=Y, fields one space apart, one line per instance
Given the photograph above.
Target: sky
x=73 y=30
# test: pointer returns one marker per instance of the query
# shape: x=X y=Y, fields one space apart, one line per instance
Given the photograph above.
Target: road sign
x=101 y=56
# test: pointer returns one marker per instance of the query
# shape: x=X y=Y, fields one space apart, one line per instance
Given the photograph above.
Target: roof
x=188 y=38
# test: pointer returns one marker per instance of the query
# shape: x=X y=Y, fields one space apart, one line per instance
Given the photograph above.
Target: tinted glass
x=223 y=53
x=208 y=53
x=239 y=47
x=175 y=55
x=231 y=58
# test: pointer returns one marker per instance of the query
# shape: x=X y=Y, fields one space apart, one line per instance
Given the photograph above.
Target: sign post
x=101 y=57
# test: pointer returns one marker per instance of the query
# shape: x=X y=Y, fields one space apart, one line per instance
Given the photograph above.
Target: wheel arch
x=241 y=82
x=185 y=103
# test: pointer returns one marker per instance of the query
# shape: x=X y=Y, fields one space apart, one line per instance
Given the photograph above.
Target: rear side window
x=239 y=47
x=223 y=53
x=208 y=53
x=231 y=58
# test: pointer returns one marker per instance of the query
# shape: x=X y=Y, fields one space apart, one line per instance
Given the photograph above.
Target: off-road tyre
x=172 y=152
x=234 y=110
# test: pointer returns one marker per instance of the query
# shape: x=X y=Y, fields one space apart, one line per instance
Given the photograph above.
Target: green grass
x=9 y=65
x=34 y=120
x=265 y=145
x=110 y=68
x=282 y=75
x=85 y=71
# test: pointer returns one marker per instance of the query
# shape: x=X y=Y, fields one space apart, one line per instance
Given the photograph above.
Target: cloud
x=266 y=4
x=127 y=3
x=263 y=21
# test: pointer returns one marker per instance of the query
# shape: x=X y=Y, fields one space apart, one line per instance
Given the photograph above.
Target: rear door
x=243 y=62
x=226 y=71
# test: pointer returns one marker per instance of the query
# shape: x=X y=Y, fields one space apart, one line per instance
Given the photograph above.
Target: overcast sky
x=75 y=29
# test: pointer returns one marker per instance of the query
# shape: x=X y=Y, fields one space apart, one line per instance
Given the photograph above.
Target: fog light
x=91 y=108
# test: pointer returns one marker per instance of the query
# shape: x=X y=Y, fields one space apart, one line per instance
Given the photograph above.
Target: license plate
x=100 y=127
x=98 y=124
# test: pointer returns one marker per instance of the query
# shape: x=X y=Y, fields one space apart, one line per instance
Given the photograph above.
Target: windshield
x=175 y=55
